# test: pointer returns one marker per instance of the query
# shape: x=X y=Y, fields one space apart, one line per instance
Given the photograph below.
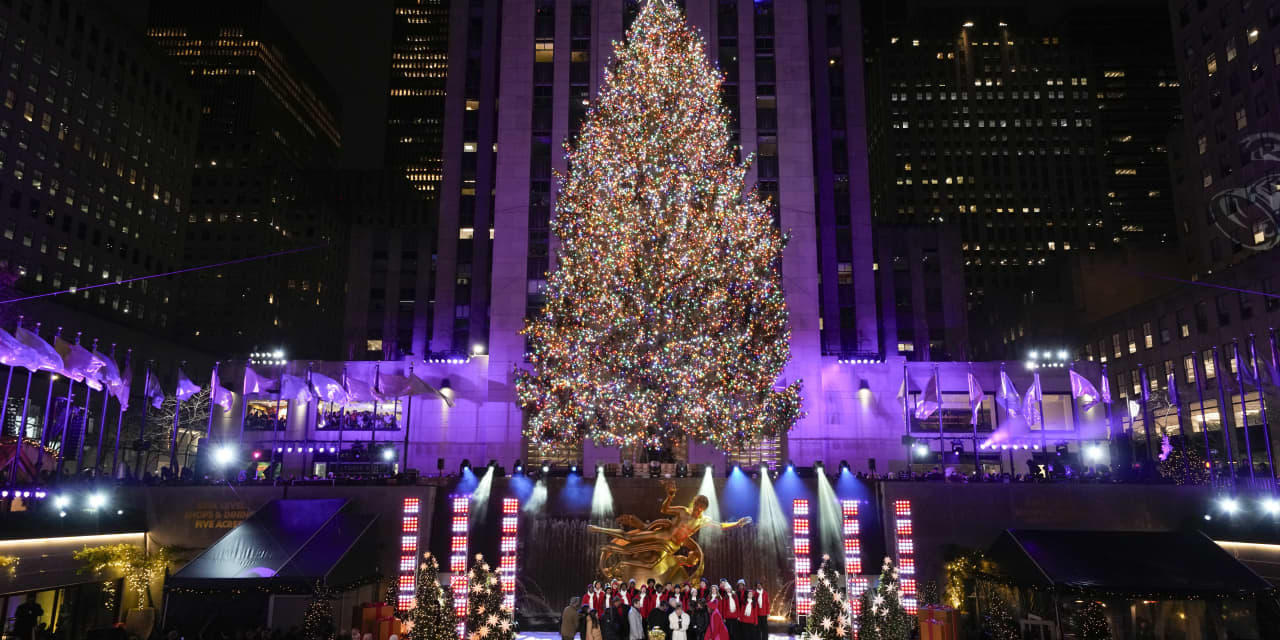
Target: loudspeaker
x=871 y=464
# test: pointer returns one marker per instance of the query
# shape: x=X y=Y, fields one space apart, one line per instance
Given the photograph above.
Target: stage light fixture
x=655 y=469
x=61 y=502
x=628 y=469
x=224 y=456
x=1062 y=449
x=682 y=469
x=519 y=468
x=791 y=466
x=388 y=454
x=1229 y=505
x=1271 y=506
x=921 y=449
x=844 y=466
x=464 y=467
x=97 y=501
x=573 y=469
x=957 y=447
x=1093 y=453
x=546 y=467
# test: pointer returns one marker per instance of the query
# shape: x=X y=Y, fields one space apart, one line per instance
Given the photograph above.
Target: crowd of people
x=259 y=418
x=344 y=419
x=705 y=611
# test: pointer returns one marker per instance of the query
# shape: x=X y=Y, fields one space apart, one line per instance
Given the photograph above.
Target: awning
x=1164 y=565
x=286 y=546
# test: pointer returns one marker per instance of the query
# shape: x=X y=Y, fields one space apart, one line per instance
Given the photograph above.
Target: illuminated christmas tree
x=317 y=620
x=1091 y=622
x=883 y=617
x=829 y=619
x=666 y=316
x=998 y=622
x=487 y=618
x=432 y=616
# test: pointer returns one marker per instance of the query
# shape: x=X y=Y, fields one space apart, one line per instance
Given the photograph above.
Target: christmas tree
x=391 y=598
x=666 y=317
x=829 y=619
x=487 y=618
x=1091 y=622
x=997 y=618
x=432 y=616
x=883 y=616
x=317 y=620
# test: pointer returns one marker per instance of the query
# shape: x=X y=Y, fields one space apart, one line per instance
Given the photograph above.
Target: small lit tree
x=487 y=618
x=1091 y=622
x=432 y=616
x=883 y=617
x=317 y=621
x=998 y=622
x=829 y=618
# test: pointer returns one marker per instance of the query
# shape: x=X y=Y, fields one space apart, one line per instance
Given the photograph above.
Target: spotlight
x=61 y=502
x=546 y=467
x=1208 y=517
x=844 y=466
x=119 y=512
x=921 y=449
x=62 y=514
x=97 y=501
x=464 y=467
x=599 y=469
x=655 y=469
x=257 y=454
x=573 y=468
x=388 y=454
x=628 y=469
x=1093 y=453
x=519 y=467
x=682 y=469
x=957 y=447
x=791 y=466
x=1062 y=449
x=1229 y=505
x=1271 y=506
x=224 y=456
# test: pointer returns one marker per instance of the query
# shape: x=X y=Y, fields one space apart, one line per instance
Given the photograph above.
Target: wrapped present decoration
x=366 y=616
x=938 y=623
x=387 y=627
x=657 y=634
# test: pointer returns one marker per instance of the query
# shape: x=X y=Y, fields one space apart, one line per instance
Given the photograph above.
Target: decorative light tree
x=139 y=567
x=1091 y=622
x=487 y=618
x=432 y=616
x=391 y=598
x=666 y=317
x=829 y=619
x=317 y=621
x=998 y=622
x=883 y=617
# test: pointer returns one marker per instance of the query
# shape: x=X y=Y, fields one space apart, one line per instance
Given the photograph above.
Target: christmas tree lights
x=432 y=616
x=1091 y=622
x=829 y=619
x=883 y=616
x=487 y=617
x=317 y=620
x=666 y=317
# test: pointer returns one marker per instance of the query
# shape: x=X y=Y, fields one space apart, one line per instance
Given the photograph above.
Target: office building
x=267 y=117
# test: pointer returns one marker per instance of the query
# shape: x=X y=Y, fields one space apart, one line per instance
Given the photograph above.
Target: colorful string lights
x=507 y=565
x=904 y=534
x=800 y=549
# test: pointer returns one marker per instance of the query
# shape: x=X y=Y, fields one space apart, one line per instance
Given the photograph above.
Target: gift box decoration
x=938 y=623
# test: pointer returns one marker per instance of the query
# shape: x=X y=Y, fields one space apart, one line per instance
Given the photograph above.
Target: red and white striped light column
x=855 y=582
x=904 y=533
x=507 y=569
x=408 y=553
x=458 y=559
x=800 y=549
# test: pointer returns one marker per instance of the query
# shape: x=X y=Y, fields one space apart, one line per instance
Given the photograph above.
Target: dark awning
x=289 y=544
x=1173 y=564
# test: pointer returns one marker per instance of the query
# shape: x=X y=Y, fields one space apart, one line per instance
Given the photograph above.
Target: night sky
x=351 y=44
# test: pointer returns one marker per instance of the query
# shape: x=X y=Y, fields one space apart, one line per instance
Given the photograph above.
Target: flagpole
x=1204 y=422
x=275 y=425
x=1175 y=399
x=1075 y=409
x=4 y=409
x=1147 y=427
x=1222 y=416
x=128 y=386
x=906 y=417
x=84 y=430
x=1244 y=407
x=142 y=426
x=48 y=402
x=342 y=417
x=377 y=388
x=311 y=387
x=208 y=432
x=1044 y=437
x=66 y=420
x=102 y=423
x=973 y=418
x=937 y=388
x=1106 y=405
x=22 y=424
x=408 y=419
x=244 y=406
x=1262 y=405
x=173 y=435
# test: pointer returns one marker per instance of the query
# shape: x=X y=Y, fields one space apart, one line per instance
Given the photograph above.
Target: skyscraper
x=267 y=116
x=419 y=67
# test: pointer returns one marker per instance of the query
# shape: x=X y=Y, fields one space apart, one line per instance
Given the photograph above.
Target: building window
x=1133 y=341
x=1147 y=339
x=1231 y=49
x=1211 y=63
x=1115 y=343
x=1189 y=368
x=1206 y=357
x=844 y=273
x=1242 y=118
x=1165 y=336
x=1224 y=312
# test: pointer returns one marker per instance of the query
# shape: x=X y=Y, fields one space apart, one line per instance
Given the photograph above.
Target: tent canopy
x=286 y=544
x=1176 y=563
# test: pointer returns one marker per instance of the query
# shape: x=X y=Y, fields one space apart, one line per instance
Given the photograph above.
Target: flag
x=186 y=388
x=393 y=385
x=121 y=390
x=1008 y=396
x=15 y=354
x=328 y=389
x=359 y=391
x=152 y=392
x=1106 y=390
x=1273 y=368
x=254 y=383
x=108 y=372
x=220 y=395
x=45 y=353
x=1247 y=372
x=975 y=398
x=1031 y=404
x=1173 y=390
x=78 y=362
x=1082 y=389
x=929 y=402
x=294 y=388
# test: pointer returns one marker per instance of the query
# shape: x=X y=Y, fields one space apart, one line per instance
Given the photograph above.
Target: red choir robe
x=730 y=606
x=647 y=602
x=595 y=600
x=715 y=605
x=740 y=595
x=762 y=600
x=747 y=613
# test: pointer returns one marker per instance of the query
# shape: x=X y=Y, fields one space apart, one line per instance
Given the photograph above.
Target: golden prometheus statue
x=663 y=549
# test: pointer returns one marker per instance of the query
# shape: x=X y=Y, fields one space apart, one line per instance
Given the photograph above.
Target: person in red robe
x=594 y=599
x=748 y=629
x=714 y=603
x=645 y=601
x=762 y=609
x=717 y=630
